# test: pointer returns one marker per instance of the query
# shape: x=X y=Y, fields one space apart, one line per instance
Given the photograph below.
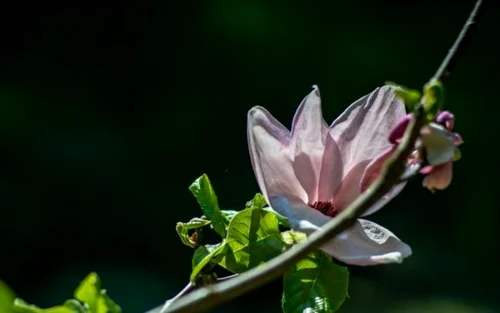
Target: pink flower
x=440 y=144
x=436 y=149
x=314 y=172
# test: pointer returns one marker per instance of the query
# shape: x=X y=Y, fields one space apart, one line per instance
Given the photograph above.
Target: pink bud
x=398 y=131
x=446 y=118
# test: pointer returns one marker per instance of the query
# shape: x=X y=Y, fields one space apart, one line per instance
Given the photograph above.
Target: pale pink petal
x=440 y=177
x=367 y=243
x=269 y=142
x=371 y=173
x=350 y=188
x=301 y=217
x=331 y=170
x=439 y=143
x=362 y=131
x=316 y=155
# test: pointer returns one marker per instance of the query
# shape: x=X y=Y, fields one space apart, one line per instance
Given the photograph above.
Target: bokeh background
x=109 y=110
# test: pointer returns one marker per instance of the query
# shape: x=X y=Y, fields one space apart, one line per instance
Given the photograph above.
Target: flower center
x=326 y=208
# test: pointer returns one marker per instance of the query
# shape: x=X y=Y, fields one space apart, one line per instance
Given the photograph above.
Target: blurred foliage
x=107 y=113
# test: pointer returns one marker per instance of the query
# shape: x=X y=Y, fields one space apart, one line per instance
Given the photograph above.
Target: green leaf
x=183 y=230
x=89 y=292
x=70 y=306
x=22 y=307
x=205 y=256
x=315 y=285
x=6 y=298
x=293 y=237
x=281 y=219
x=253 y=237
x=433 y=98
x=258 y=202
x=410 y=97
x=205 y=195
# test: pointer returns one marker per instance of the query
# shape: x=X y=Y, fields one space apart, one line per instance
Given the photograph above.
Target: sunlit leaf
x=410 y=97
x=89 y=292
x=253 y=237
x=6 y=298
x=184 y=228
x=293 y=237
x=433 y=98
x=206 y=256
x=205 y=195
x=315 y=285
x=258 y=202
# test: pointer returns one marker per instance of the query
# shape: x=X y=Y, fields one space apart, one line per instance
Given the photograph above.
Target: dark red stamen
x=326 y=208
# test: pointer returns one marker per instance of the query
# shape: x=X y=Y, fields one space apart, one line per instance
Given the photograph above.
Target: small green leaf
x=22 y=307
x=253 y=237
x=6 y=298
x=315 y=285
x=293 y=237
x=75 y=305
x=281 y=219
x=258 y=202
x=89 y=292
x=183 y=230
x=204 y=256
x=205 y=195
x=433 y=98
x=410 y=97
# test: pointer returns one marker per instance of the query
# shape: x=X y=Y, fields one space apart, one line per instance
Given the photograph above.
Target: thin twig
x=212 y=295
x=452 y=53
x=183 y=292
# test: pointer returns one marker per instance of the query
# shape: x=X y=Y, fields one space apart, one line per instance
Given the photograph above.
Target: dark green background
x=109 y=110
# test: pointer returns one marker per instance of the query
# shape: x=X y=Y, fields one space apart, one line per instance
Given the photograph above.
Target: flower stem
x=212 y=295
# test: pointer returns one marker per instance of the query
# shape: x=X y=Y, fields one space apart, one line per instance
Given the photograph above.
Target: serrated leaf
x=6 y=298
x=89 y=292
x=204 y=256
x=184 y=228
x=253 y=237
x=315 y=285
x=205 y=195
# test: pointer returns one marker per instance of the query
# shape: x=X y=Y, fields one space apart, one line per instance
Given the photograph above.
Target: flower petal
x=371 y=173
x=300 y=216
x=439 y=143
x=362 y=131
x=350 y=188
x=268 y=142
x=312 y=147
x=367 y=243
x=439 y=177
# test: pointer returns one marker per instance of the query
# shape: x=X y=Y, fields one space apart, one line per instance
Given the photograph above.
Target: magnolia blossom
x=436 y=148
x=314 y=171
